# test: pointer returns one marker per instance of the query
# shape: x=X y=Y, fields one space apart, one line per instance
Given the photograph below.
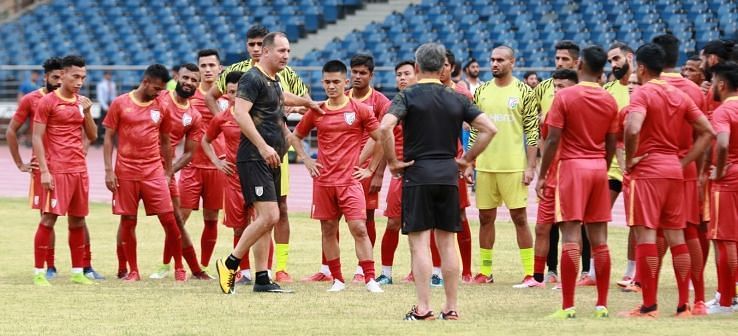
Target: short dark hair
x=269 y=39
x=176 y=67
x=727 y=71
x=651 y=56
x=52 y=63
x=362 y=59
x=256 y=31
x=594 y=58
x=565 y=74
x=670 y=44
x=529 y=73
x=335 y=66
x=233 y=77
x=72 y=60
x=404 y=63
x=470 y=62
x=622 y=46
x=724 y=49
x=157 y=71
x=451 y=57
x=569 y=46
x=457 y=69
x=190 y=66
x=694 y=57
x=207 y=52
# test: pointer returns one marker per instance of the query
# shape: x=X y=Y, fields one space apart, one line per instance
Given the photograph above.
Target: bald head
x=502 y=61
x=505 y=51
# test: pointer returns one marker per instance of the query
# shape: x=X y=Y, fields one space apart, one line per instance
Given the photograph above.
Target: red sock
x=695 y=256
x=335 y=267
x=390 y=240
x=368 y=267
x=41 y=245
x=705 y=244
x=271 y=254
x=682 y=266
x=723 y=273
x=50 y=258
x=173 y=237
x=207 y=241
x=539 y=266
x=167 y=255
x=661 y=247
x=87 y=256
x=434 y=251
x=647 y=263
x=732 y=259
x=465 y=247
x=121 y=253
x=602 y=267
x=128 y=240
x=189 y=255
x=570 y=254
x=371 y=230
x=77 y=246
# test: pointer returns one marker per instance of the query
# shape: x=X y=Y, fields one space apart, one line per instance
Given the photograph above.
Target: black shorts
x=259 y=183
x=426 y=207
x=615 y=185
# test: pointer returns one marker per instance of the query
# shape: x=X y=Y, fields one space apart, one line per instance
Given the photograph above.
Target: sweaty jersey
x=622 y=98
x=139 y=126
x=511 y=108
x=340 y=132
x=665 y=108
x=64 y=120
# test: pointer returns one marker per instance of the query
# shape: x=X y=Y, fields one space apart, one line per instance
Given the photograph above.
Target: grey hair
x=430 y=57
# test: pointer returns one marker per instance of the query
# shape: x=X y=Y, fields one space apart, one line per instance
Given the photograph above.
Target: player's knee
x=48 y=220
x=76 y=222
x=393 y=224
x=543 y=230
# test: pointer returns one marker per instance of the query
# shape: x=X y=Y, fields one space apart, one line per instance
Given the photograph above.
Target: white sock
x=325 y=270
x=437 y=271
x=359 y=270
x=630 y=268
x=246 y=273
x=39 y=271
x=592 y=269
x=387 y=271
x=76 y=270
x=270 y=274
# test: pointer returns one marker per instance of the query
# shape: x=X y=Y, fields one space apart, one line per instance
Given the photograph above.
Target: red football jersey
x=554 y=167
x=586 y=113
x=463 y=91
x=378 y=104
x=64 y=119
x=665 y=109
x=710 y=104
x=27 y=109
x=686 y=133
x=725 y=120
x=138 y=126
x=199 y=159
x=186 y=121
x=339 y=139
x=225 y=123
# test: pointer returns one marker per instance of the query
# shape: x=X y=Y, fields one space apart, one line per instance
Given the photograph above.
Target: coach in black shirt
x=432 y=115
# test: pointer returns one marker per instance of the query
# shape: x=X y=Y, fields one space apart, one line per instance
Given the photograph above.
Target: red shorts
x=546 y=207
x=69 y=197
x=154 y=193
x=173 y=189
x=724 y=212
x=372 y=199
x=198 y=182
x=655 y=203
x=691 y=203
x=236 y=214
x=394 y=199
x=582 y=196
x=35 y=190
x=330 y=202
x=463 y=194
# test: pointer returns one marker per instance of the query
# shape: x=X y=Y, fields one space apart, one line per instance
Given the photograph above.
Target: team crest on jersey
x=223 y=105
x=259 y=191
x=349 y=117
x=155 y=116
x=186 y=120
x=35 y=200
x=53 y=203
x=512 y=102
x=81 y=110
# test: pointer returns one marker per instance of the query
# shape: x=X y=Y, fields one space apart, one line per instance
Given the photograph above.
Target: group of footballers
x=664 y=139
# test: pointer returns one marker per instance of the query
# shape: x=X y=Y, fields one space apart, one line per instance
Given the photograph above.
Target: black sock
x=262 y=278
x=87 y=269
x=538 y=277
x=645 y=309
x=682 y=308
x=232 y=262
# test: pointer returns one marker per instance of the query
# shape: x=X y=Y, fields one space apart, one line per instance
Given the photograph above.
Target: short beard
x=182 y=93
x=621 y=72
x=50 y=88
